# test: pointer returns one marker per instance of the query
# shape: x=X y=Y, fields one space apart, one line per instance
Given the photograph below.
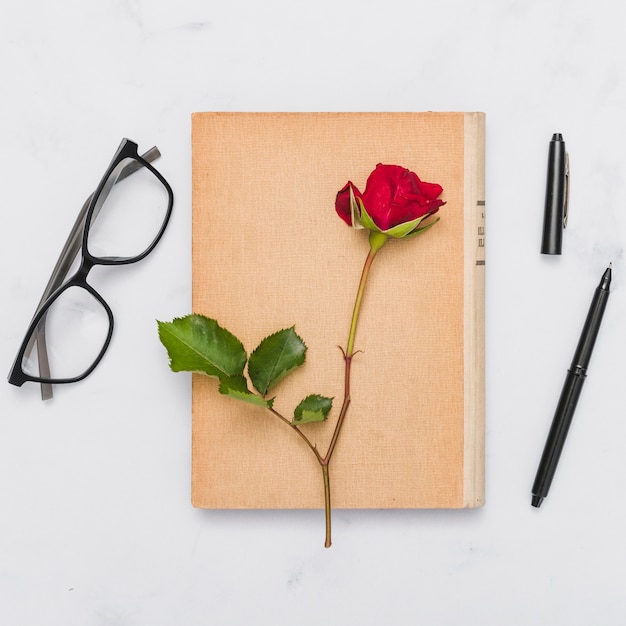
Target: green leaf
x=237 y=387
x=196 y=343
x=313 y=408
x=274 y=358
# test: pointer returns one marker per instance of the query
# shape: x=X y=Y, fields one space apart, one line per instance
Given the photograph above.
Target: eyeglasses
x=73 y=325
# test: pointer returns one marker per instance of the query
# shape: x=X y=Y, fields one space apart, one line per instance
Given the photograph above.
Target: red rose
x=395 y=202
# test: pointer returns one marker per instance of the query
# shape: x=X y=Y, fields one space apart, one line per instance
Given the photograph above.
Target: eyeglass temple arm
x=64 y=263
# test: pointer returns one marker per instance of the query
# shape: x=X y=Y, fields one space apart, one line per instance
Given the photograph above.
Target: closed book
x=270 y=252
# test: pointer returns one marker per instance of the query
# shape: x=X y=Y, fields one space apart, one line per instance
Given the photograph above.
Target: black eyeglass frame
x=127 y=150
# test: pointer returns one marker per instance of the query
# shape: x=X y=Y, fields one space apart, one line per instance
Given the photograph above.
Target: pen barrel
x=571 y=391
x=590 y=329
x=558 y=432
x=553 y=216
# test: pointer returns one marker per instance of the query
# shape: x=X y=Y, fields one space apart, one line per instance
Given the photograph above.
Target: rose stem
x=327 y=542
x=377 y=240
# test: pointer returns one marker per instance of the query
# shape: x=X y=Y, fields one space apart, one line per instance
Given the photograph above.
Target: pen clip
x=566 y=191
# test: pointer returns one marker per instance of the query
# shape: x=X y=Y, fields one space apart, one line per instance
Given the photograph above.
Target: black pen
x=571 y=391
x=557 y=193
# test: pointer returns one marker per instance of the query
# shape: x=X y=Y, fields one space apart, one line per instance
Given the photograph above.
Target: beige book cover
x=270 y=252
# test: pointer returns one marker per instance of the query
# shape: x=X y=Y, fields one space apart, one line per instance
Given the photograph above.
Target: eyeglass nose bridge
x=79 y=278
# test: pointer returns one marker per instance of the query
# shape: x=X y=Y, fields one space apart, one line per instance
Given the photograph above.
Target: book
x=270 y=252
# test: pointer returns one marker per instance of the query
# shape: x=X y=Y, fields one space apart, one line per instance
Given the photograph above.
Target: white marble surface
x=96 y=525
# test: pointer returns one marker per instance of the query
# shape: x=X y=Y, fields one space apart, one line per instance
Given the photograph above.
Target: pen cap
x=556 y=197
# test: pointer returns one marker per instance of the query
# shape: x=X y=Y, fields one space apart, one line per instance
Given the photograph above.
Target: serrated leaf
x=313 y=408
x=197 y=343
x=274 y=358
x=237 y=387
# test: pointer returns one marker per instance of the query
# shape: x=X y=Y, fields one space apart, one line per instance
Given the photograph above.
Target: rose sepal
x=404 y=230
x=355 y=212
x=365 y=220
x=423 y=228
x=400 y=231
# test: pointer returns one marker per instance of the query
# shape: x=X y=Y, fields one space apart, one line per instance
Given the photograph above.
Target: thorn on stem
x=345 y=356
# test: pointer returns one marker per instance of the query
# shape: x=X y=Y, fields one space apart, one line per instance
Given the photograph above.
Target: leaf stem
x=315 y=451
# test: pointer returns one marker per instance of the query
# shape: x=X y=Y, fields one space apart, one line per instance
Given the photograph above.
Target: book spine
x=474 y=313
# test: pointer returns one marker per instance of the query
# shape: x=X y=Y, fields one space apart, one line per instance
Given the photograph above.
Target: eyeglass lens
x=76 y=329
x=130 y=214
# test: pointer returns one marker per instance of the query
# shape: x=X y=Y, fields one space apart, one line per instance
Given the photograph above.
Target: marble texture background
x=96 y=526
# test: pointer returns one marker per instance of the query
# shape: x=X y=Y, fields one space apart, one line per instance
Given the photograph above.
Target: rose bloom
x=395 y=202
